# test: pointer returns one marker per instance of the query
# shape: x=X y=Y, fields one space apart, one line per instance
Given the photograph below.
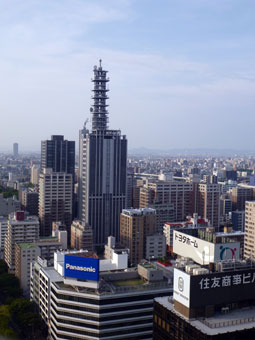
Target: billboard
x=204 y=252
x=227 y=251
x=181 y=287
x=222 y=287
x=79 y=267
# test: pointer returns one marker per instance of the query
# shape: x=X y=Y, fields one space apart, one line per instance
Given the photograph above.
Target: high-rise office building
x=15 y=149
x=55 y=200
x=102 y=167
x=208 y=202
x=58 y=154
x=35 y=173
x=135 y=226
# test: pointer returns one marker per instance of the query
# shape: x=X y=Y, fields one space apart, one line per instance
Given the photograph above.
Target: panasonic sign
x=79 y=267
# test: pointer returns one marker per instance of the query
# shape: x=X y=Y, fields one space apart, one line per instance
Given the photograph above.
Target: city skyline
x=184 y=70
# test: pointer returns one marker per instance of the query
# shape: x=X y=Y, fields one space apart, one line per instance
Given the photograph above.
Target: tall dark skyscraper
x=58 y=154
x=56 y=184
x=102 y=167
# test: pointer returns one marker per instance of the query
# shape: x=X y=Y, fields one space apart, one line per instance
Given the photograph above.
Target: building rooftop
x=83 y=254
x=235 y=320
x=138 y=212
x=117 y=282
x=148 y=266
x=46 y=239
x=27 y=245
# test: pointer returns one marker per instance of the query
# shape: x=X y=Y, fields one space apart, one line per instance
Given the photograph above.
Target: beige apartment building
x=19 y=230
x=135 y=225
x=249 y=238
x=81 y=236
x=172 y=200
x=208 y=202
x=25 y=254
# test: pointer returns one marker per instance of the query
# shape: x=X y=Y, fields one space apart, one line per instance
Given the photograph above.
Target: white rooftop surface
x=52 y=274
x=233 y=233
x=236 y=320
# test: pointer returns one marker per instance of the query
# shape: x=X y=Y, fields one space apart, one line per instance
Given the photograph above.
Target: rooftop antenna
x=100 y=62
x=85 y=123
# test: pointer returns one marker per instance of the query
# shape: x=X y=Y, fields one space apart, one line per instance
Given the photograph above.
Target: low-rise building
x=81 y=236
x=191 y=223
x=8 y=205
x=155 y=246
x=25 y=253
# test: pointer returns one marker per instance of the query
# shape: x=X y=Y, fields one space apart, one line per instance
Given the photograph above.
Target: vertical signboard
x=181 y=287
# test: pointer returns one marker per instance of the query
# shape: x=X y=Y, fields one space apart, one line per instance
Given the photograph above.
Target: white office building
x=84 y=297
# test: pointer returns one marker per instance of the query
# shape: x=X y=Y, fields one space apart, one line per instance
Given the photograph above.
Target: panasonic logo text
x=80 y=268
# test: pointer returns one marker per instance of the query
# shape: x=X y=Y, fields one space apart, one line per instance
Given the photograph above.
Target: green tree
x=3 y=267
x=9 y=287
x=25 y=316
x=5 y=329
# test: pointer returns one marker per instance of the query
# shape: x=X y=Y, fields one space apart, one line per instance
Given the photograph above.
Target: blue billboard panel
x=79 y=267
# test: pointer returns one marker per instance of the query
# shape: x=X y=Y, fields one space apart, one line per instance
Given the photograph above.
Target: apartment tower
x=135 y=226
x=249 y=238
x=55 y=200
x=20 y=229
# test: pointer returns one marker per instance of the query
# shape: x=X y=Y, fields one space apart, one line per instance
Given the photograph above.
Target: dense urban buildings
x=213 y=293
x=181 y=224
x=177 y=193
x=102 y=168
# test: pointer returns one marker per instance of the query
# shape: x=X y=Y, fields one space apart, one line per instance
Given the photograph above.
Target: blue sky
x=182 y=71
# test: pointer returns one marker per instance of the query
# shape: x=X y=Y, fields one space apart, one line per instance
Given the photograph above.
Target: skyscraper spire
x=99 y=107
x=102 y=168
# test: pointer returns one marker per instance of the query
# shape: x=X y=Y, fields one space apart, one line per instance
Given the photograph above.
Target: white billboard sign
x=181 y=287
x=204 y=252
x=198 y=250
